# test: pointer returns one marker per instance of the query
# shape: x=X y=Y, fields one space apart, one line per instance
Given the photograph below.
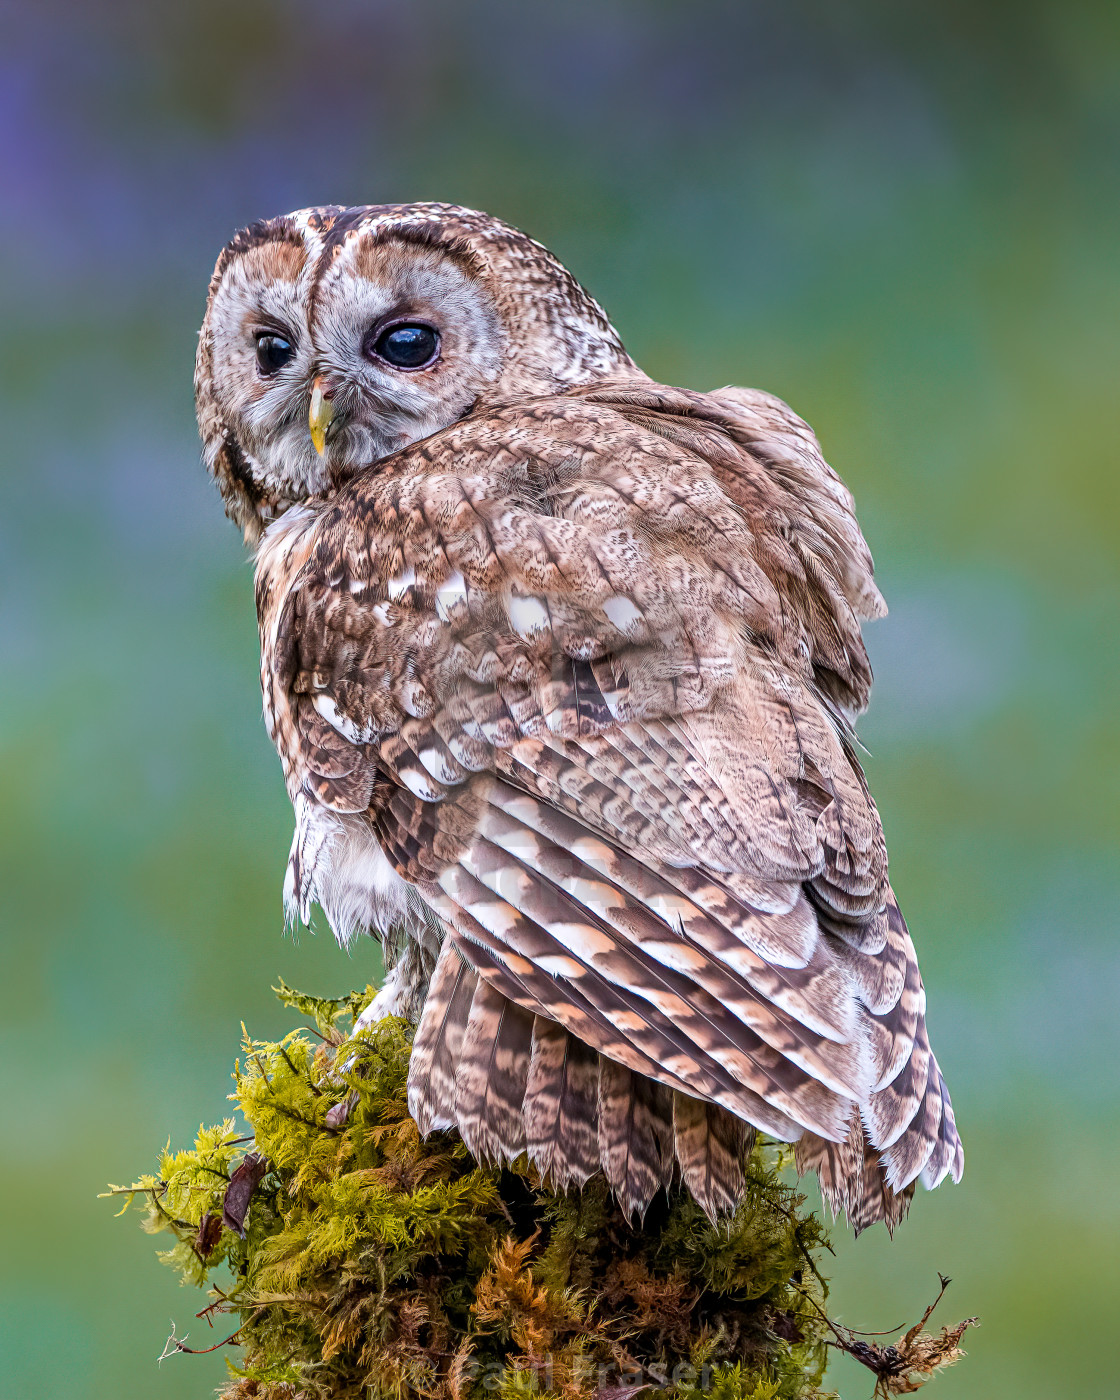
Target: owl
x=562 y=666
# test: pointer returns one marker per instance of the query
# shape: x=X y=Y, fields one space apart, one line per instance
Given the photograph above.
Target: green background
x=903 y=219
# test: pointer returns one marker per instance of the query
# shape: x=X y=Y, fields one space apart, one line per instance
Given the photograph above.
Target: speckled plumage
x=561 y=665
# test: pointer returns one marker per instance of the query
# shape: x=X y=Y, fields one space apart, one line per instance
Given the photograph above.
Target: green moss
x=373 y=1264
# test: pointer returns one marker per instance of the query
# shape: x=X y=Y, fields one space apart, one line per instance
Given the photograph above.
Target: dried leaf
x=239 y=1192
x=338 y=1115
x=209 y=1233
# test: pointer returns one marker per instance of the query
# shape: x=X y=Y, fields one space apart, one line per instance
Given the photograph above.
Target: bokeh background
x=901 y=218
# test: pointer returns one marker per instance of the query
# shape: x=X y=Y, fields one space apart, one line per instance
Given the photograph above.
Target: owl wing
x=583 y=665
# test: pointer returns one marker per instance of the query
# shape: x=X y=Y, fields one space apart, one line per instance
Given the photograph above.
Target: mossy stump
x=356 y=1260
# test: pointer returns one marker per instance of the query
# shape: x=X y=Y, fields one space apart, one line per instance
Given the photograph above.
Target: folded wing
x=584 y=668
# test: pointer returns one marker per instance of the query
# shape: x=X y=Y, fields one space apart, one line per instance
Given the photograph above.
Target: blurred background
x=902 y=219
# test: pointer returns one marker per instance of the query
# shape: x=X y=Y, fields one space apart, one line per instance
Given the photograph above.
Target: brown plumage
x=562 y=665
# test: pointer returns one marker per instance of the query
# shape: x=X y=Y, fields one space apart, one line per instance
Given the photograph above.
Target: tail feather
x=711 y=1146
x=635 y=1135
x=513 y=1081
x=838 y=1165
x=560 y=1108
x=493 y=1068
x=906 y=1158
x=890 y=1111
x=870 y=1180
x=438 y=1043
x=928 y=1145
x=875 y=1198
x=852 y=1178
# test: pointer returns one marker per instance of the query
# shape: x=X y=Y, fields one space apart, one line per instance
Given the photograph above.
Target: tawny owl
x=562 y=666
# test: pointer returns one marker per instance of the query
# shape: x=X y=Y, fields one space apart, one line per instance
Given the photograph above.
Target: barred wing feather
x=585 y=668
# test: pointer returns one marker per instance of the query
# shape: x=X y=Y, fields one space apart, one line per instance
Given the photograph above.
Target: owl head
x=334 y=337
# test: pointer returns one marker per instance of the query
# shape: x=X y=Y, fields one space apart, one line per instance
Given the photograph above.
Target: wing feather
x=585 y=667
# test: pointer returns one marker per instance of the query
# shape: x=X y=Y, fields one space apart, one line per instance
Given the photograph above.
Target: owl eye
x=273 y=352
x=411 y=345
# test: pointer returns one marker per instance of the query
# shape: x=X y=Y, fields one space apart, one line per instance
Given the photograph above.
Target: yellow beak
x=322 y=412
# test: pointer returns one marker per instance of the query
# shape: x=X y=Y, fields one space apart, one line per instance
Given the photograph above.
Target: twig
x=900 y=1368
x=202 y=1167
x=175 y=1344
x=291 y=1112
x=945 y=1282
x=291 y=1066
x=307 y=1122
x=803 y=1247
x=851 y=1331
x=220 y=1305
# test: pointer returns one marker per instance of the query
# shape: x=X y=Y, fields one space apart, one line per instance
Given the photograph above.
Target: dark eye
x=273 y=352
x=409 y=346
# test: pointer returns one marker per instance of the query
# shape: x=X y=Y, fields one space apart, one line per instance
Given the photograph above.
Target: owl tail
x=513 y=1082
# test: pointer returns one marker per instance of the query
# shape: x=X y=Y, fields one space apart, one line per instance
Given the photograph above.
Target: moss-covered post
x=355 y=1260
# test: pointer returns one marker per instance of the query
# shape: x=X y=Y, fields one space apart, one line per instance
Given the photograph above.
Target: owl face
x=391 y=340
x=333 y=338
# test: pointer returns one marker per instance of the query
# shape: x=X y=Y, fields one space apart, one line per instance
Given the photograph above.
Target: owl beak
x=322 y=413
